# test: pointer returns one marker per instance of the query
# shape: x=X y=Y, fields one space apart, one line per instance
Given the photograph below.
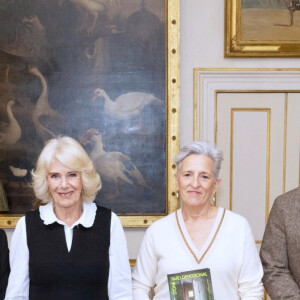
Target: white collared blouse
x=119 y=281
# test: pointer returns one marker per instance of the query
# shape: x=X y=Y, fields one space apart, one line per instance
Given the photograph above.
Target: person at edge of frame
x=280 y=249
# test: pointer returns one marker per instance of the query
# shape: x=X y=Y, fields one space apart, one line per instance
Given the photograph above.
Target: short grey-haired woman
x=199 y=235
x=69 y=248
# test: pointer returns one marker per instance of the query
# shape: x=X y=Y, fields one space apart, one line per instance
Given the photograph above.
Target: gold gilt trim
x=285 y=142
x=173 y=97
x=172 y=118
x=268 y=167
x=195 y=108
x=9 y=222
x=268 y=111
x=196 y=89
x=197 y=69
x=235 y=47
x=216 y=116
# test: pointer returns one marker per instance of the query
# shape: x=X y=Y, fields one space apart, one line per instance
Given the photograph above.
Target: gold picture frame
x=261 y=29
x=9 y=220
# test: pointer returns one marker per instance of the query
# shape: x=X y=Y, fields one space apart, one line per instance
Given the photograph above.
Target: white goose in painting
x=112 y=166
x=10 y=132
x=42 y=109
x=127 y=106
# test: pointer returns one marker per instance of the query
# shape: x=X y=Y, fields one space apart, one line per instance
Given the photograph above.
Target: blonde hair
x=72 y=155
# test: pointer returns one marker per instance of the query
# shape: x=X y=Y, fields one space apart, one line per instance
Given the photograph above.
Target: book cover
x=191 y=285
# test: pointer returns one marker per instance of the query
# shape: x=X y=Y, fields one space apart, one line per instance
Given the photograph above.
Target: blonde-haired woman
x=69 y=248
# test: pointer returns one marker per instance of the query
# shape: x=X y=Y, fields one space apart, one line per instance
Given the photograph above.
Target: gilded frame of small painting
x=262 y=28
x=65 y=54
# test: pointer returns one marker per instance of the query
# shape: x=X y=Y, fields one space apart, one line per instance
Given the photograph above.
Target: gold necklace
x=215 y=235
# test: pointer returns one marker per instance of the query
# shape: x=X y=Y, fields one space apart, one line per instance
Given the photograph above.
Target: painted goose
x=112 y=166
x=127 y=106
x=42 y=109
x=11 y=131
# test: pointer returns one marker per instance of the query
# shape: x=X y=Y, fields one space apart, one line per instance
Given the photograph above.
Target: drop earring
x=213 y=200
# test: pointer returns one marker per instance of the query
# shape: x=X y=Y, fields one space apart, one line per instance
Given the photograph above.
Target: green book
x=191 y=285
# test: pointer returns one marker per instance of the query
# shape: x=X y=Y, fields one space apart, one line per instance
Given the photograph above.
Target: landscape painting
x=93 y=70
x=273 y=20
x=262 y=28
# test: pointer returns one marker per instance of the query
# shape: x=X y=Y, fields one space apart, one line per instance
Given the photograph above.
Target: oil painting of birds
x=128 y=105
x=96 y=7
x=112 y=166
x=56 y=54
x=7 y=89
x=27 y=39
x=43 y=111
x=10 y=132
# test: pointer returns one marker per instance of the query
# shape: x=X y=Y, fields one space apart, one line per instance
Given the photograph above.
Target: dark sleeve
x=277 y=279
x=4 y=264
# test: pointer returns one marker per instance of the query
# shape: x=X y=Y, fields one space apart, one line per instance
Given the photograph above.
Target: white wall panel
x=249 y=165
x=250 y=131
x=292 y=179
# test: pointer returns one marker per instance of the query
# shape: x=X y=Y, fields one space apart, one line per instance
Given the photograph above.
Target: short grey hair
x=204 y=148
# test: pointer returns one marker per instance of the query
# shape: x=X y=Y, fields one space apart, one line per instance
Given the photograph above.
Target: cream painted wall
x=201 y=46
